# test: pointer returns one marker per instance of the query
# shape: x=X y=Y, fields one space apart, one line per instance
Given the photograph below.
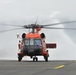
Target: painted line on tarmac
x=62 y=66
x=59 y=67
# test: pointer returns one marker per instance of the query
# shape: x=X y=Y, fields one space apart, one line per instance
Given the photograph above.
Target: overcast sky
x=48 y=11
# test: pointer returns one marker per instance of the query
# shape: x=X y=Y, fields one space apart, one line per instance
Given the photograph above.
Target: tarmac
x=13 y=67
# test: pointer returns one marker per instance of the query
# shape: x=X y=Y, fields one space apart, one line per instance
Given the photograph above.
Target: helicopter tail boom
x=51 y=45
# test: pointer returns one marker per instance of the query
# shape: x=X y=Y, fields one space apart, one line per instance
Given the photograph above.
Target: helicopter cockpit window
x=27 y=42
x=37 y=42
x=31 y=41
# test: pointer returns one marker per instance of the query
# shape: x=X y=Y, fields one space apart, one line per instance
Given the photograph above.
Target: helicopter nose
x=31 y=52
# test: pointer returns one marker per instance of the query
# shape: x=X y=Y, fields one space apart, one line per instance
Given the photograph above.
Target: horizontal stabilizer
x=51 y=45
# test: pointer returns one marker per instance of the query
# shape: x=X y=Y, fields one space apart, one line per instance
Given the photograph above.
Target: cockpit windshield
x=36 y=42
x=31 y=41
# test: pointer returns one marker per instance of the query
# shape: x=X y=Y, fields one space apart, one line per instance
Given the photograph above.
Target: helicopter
x=33 y=43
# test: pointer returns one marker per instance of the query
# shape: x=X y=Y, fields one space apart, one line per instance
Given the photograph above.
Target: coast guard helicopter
x=33 y=43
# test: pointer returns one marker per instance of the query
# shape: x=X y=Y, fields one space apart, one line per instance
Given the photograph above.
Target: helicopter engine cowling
x=42 y=35
x=23 y=35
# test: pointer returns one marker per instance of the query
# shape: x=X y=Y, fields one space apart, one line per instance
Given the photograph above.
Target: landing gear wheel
x=20 y=57
x=35 y=59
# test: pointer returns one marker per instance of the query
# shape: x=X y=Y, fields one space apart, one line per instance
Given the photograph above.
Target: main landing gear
x=46 y=58
x=20 y=57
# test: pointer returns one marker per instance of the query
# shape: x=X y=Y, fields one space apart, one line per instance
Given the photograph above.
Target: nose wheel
x=35 y=58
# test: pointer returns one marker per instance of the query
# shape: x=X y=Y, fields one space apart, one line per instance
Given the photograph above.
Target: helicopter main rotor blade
x=11 y=25
x=59 y=23
x=37 y=25
x=60 y=28
x=10 y=30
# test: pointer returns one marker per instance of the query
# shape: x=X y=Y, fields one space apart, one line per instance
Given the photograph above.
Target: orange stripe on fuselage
x=32 y=35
